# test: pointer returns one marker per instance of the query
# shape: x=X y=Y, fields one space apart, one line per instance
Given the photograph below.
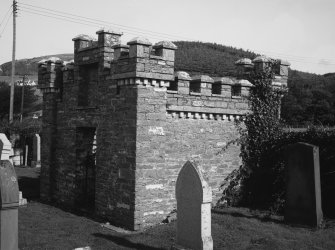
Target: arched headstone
x=9 y=199
x=5 y=147
x=303 y=190
x=194 y=197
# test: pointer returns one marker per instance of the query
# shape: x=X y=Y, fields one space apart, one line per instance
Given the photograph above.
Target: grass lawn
x=42 y=226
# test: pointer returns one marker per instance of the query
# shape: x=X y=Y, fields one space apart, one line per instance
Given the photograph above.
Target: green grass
x=42 y=226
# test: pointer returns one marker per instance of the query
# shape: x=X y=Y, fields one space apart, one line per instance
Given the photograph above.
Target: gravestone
x=303 y=190
x=36 y=162
x=5 y=147
x=194 y=197
x=9 y=199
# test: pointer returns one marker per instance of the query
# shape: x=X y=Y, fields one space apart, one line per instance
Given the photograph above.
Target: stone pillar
x=36 y=162
x=108 y=38
x=194 y=197
x=166 y=50
x=262 y=63
x=9 y=199
x=182 y=82
x=244 y=67
x=139 y=47
x=48 y=83
x=81 y=41
x=303 y=190
x=282 y=68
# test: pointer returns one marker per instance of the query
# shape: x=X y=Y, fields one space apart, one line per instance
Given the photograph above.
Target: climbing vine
x=261 y=128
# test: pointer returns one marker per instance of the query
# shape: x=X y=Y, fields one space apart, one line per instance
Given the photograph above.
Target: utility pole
x=11 y=105
x=22 y=97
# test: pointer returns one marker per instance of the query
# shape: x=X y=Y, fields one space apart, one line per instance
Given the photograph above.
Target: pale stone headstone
x=303 y=190
x=194 y=197
x=36 y=162
x=5 y=147
x=9 y=199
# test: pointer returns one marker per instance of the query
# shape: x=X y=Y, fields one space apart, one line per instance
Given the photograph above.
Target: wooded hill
x=29 y=66
x=310 y=100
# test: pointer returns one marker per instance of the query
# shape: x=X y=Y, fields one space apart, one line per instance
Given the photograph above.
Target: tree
x=29 y=99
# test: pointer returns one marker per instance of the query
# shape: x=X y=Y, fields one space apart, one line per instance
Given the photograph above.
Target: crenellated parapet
x=140 y=60
x=202 y=97
x=53 y=73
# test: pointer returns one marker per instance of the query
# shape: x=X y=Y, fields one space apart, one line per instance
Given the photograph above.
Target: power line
x=83 y=22
x=40 y=14
x=3 y=30
x=8 y=11
x=125 y=27
x=69 y=17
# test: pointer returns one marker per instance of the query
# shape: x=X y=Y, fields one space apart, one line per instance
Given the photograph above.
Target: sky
x=300 y=31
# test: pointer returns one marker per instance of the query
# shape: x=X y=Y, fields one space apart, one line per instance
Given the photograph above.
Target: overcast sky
x=300 y=31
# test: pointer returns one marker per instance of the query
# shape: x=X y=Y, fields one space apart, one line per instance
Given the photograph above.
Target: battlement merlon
x=108 y=38
x=166 y=50
x=201 y=84
x=120 y=50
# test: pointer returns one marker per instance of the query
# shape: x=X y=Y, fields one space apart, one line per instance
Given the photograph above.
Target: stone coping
x=83 y=37
x=165 y=45
x=175 y=108
x=140 y=40
x=232 y=81
x=182 y=75
x=202 y=78
x=145 y=75
x=244 y=61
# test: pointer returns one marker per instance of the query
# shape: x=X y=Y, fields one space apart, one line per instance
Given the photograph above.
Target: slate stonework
x=119 y=123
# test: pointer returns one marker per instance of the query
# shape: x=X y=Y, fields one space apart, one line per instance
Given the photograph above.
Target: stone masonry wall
x=137 y=122
x=116 y=157
x=176 y=126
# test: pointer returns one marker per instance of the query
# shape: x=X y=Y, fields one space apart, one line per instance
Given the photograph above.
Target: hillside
x=208 y=58
x=195 y=57
x=29 y=66
x=310 y=100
